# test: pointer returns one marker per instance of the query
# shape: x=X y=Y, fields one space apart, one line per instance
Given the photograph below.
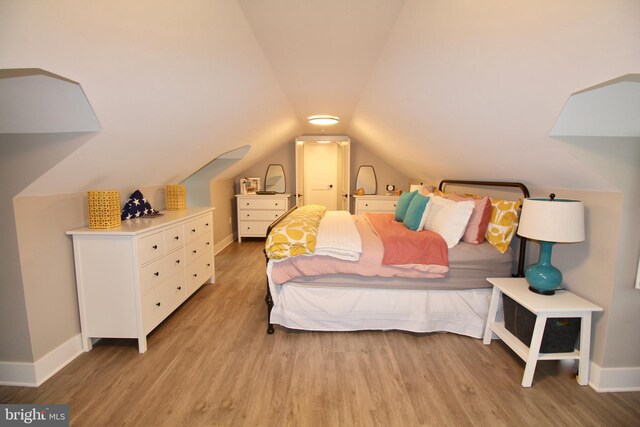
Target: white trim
x=614 y=379
x=218 y=247
x=27 y=374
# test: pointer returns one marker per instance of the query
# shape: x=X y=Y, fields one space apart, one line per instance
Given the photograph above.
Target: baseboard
x=614 y=379
x=218 y=247
x=26 y=374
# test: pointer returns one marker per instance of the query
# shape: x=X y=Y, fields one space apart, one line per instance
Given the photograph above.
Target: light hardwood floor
x=212 y=363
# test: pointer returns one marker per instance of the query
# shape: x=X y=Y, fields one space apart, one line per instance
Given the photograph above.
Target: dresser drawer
x=198 y=272
x=269 y=216
x=174 y=238
x=203 y=245
x=150 y=247
x=254 y=228
x=161 y=301
x=376 y=205
x=197 y=227
x=154 y=273
x=265 y=204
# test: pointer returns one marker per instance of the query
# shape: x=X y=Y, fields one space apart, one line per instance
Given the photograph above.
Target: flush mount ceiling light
x=323 y=120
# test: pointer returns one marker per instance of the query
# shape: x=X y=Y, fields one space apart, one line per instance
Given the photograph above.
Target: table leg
x=585 y=344
x=491 y=317
x=534 y=350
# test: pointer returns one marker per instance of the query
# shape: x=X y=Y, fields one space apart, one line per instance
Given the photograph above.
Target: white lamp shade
x=558 y=220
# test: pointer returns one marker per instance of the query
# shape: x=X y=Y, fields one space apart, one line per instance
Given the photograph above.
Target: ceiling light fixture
x=323 y=120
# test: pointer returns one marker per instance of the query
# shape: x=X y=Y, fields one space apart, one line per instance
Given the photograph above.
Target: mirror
x=274 y=180
x=366 y=178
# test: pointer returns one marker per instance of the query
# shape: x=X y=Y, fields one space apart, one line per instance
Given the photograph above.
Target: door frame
x=344 y=154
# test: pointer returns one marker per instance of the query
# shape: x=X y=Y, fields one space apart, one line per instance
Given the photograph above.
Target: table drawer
x=160 y=301
x=265 y=204
x=199 y=271
x=150 y=247
x=377 y=205
x=204 y=245
x=261 y=215
x=197 y=227
x=254 y=228
x=154 y=273
x=174 y=238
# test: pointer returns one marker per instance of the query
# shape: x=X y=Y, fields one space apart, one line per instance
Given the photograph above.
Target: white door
x=321 y=174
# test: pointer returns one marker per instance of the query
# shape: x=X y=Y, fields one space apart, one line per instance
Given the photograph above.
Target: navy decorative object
x=549 y=221
x=136 y=207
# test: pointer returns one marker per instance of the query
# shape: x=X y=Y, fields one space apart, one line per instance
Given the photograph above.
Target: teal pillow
x=415 y=211
x=403 y=204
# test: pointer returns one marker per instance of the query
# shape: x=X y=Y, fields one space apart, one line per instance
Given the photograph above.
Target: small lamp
x=549 y=221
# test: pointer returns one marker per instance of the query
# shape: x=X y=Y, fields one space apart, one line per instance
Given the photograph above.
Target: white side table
x=562 y=304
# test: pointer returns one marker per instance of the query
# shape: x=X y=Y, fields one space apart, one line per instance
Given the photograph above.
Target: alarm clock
x=391 y=187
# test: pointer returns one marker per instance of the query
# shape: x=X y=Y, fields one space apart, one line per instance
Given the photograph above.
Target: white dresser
x=130 y=278
x=257 y=211
x=375 y=203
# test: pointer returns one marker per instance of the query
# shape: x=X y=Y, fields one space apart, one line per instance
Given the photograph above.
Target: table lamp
x=549 y=221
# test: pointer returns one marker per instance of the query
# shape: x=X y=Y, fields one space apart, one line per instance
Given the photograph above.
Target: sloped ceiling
x=461 y=89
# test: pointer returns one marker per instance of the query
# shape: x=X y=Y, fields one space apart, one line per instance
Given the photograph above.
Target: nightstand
x=562 y=304
x=256 y=212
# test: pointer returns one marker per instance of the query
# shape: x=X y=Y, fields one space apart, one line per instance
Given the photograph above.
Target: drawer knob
x=276 y=204
x=208 y=264
x=179 y=288
x=177 y=261
x=195 y=275
x=158 y=304
x=155 y=246
x=193 y=230
x=195 y=251
x=247 y=203
x=157 y=273
x=208 y=243
x=177 y=237
x=366 y=204
x=207 y=224
x=248 y=215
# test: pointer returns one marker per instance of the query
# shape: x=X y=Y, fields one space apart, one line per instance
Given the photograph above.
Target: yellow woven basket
x=176 y=195
x=104 y=209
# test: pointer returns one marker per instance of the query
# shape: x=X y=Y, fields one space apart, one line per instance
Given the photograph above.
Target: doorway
x=322 y=171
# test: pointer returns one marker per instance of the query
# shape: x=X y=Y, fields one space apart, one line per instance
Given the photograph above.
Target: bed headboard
x=525 y=193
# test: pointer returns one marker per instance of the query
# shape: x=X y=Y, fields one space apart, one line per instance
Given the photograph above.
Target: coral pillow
x=448 y=218
x=479 y=221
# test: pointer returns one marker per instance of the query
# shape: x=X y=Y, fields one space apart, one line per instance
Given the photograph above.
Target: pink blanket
x=404 y=246
x=369 y=265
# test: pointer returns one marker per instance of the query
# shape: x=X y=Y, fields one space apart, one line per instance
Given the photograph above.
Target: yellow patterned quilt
x=296 y=234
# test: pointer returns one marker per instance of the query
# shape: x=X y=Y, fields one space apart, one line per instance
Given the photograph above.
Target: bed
x=455 y=300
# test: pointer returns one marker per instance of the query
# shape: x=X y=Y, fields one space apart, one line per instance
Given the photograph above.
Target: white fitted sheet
x=327 y=308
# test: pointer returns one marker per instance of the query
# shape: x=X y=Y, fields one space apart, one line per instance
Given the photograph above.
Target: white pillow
x=448 y=218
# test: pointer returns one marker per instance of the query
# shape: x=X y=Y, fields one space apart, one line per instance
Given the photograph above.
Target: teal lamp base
x=543 y=277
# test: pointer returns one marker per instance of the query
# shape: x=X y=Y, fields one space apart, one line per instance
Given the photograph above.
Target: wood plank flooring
x=212 y=364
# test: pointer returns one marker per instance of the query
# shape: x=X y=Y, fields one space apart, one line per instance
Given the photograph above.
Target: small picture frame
x=249 y=185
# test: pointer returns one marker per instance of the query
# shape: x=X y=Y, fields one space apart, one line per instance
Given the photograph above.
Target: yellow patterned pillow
x=296 y=234
x=503 y=223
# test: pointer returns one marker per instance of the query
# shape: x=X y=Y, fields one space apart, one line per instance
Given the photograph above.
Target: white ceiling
x=322 y=52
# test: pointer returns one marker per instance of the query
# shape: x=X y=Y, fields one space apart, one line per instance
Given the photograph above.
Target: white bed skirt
x=298 y=306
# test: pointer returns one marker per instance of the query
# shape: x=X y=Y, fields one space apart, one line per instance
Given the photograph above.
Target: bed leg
x=269 y=302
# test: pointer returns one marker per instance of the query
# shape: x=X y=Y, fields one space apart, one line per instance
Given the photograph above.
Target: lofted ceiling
x=322 y=52
x=461 y=89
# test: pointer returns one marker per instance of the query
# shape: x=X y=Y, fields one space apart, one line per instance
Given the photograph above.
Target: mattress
x=469 y=266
